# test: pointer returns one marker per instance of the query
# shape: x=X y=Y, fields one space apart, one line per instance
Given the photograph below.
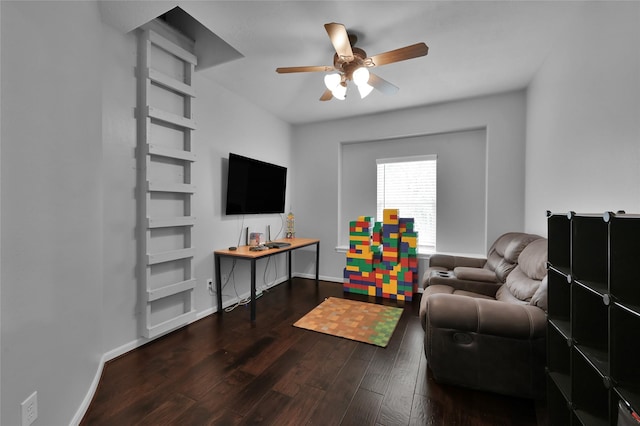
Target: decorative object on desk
x=255 y=239
x=291 y=226
x=382 y=259
x=360 y=321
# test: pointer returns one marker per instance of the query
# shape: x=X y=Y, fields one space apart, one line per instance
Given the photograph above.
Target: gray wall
x=69 y=294
x=52 y=180
x=583 y=110
x=316 y=164
x=461 y=184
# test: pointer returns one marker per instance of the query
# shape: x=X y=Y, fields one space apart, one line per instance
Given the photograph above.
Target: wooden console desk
x=243 y=252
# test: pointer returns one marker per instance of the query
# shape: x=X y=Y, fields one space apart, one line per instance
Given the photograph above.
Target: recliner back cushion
x=520 y=285
x=493 y=260
x=524 y=281
x=533 y=259
x=505 y=251
x=495 y=256
x=503 y=270
x=501 y=244
x=517 y=245
x=539 y=298
x=504 y=295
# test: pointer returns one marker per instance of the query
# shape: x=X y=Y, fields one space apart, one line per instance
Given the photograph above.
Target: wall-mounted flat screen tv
x=255 y=186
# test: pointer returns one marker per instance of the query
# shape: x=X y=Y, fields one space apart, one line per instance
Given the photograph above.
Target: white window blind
x=409 y=184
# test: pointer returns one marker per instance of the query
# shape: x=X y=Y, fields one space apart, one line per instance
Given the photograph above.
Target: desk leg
x=317 y=262
x=218 y=283
x=289 y=261
x=253 y=290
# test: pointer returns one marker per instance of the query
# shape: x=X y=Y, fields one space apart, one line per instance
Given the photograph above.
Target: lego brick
x=359 y=261
x=388 y=229
x=355 y=290
x=364 y=256
x=390 y=216
x=390 y=288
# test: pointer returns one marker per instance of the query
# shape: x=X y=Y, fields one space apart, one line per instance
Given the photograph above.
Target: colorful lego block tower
x=361 y=254
x=382 y=259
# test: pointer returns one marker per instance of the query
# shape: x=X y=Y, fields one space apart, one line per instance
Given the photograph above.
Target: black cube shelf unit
x=593 y=332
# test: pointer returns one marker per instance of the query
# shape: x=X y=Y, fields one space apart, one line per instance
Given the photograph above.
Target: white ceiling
x=475 y=47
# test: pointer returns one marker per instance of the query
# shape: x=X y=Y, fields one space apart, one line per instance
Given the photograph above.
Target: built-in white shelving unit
x=166 y=64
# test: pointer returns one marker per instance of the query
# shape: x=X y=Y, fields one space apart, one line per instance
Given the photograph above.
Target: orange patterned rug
x=360 y=321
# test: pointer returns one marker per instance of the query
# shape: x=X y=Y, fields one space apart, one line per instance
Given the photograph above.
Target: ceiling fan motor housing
x=348 y=67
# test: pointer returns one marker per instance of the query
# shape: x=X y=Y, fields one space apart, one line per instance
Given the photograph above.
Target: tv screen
x=254 y=186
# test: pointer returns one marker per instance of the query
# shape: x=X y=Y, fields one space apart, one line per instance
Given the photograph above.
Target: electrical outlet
x=30 y=409
x=210 y=284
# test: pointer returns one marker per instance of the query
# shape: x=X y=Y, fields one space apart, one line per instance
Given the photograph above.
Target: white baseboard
x=108 y=356
x=321 y=277
x=84 y=406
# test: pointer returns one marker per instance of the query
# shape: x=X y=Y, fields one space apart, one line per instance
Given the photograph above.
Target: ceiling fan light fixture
x=332 y=80
x=361 y=76
x=339 y=92
x=364 y=90
x=361 y=79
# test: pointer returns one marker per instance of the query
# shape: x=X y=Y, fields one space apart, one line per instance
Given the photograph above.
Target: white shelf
x=167 y=222
x=170 y=153
x=172 y=48
x=171 y=118
x=168 y=256
x=170 y=290
x=170 y=187
x=170 y=83
x=172 y=324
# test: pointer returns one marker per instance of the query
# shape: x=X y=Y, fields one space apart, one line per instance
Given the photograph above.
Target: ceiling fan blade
x=382 y=85
x=402 y=54
x=340 y=40
x=326 y=96
x=321 y=68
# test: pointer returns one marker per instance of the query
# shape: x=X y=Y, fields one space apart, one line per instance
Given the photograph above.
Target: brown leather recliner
x=485 y=325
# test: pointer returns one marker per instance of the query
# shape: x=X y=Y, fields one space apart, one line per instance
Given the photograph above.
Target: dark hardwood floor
x=223 y=371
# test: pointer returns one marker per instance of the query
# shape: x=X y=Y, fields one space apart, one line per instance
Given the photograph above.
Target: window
x=409 y=184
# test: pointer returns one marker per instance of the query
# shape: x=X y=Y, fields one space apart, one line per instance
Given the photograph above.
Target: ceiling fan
x=352 y=63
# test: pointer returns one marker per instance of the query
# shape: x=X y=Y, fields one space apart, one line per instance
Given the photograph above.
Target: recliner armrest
x=484 y=316
x=480 y=287
x=475 y=274
x=451 y=262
